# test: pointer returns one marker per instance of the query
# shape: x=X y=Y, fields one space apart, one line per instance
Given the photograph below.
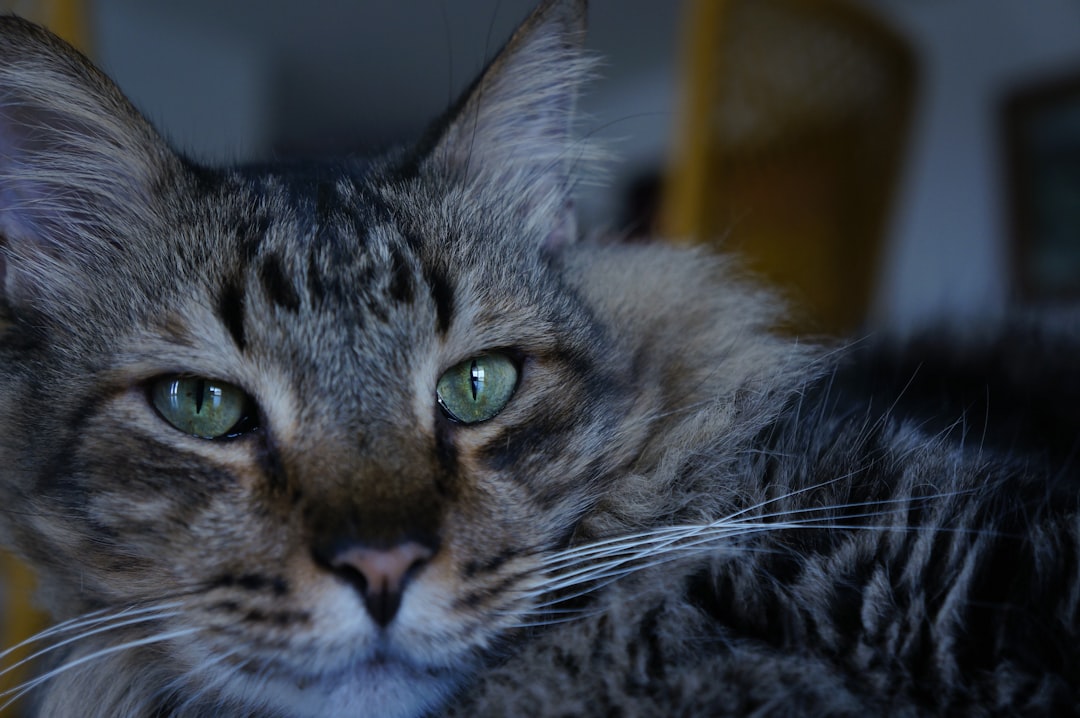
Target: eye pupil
x=476 y=379
x=477 y=389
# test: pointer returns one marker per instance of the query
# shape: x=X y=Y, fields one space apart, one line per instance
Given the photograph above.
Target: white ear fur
x=514 y=128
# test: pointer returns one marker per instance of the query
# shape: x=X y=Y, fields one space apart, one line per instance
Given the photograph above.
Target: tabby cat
x=389 y=439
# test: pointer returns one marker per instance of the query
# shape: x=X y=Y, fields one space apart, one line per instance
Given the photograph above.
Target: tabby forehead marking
x=401 y=282
x=277 y=283
x=442 y=293
x=230 y=309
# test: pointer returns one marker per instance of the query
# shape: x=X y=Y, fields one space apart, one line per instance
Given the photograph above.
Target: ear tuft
x=514 y=128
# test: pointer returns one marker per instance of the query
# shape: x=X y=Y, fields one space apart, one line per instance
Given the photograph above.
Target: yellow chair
x=67 y=18
x=792 y=134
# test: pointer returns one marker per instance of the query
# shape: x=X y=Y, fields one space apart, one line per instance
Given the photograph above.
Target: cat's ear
x=513 y=129
x=76 y=163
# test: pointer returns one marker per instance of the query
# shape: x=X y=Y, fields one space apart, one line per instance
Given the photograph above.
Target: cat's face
x=321 y=424
x=353 y=343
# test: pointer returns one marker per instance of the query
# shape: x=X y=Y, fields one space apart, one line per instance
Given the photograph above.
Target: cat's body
x=468 y=463
x=924 y=570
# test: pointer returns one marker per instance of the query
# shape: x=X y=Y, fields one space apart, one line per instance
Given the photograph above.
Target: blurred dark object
x=640 y=215
x=1042 y=135
x=795 y=120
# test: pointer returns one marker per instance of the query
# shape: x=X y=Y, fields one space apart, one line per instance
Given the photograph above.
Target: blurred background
x=891 y=164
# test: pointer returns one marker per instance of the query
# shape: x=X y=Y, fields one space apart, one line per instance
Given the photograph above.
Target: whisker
x=545 y=607
x=543 y=623
x=87 y=619
x=610 y=544
x=627 y=558
x=57 y=628
x=145 y=618
x=607 y=577
x=24 y=688
x=662 y=535
x=707 y=534
x=797 y=492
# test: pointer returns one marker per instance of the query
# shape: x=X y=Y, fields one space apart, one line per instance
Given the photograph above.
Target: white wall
x=948 y=250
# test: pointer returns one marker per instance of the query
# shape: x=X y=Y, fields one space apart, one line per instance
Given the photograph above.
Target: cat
x=388 y=438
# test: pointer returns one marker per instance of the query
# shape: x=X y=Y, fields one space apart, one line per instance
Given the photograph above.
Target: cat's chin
x=343 y=664
x=384 y=687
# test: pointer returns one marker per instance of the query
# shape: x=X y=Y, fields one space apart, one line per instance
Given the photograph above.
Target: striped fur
x=677 y=512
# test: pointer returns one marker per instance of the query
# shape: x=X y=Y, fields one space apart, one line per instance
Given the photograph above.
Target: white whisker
x=661 y=536
x=595 y=565
x=88 y=619
x=145 y=618
x=543 y=623
x=22 y=689
x=792 y=494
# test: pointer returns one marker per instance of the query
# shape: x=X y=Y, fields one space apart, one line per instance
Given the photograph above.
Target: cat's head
x=322 y=424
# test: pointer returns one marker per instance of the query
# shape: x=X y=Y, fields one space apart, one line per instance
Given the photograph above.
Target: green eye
x=477 y=389
x=206 y=408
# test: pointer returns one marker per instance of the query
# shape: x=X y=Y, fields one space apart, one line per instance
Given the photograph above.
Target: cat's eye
x=207 y=408
x=477 y=389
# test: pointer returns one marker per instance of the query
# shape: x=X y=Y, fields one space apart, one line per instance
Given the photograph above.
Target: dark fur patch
x=250 y=232
x=490 y=564
x=278 y=618
x=272 y=467
x=326 y=197
x=279 y=287
x=315 y=285
x=447 y=458
x=376 y=307
x=442 y=293
x=231 y=311
x=540 y=436
x=252 y=582
x=470 y=600
x=976 y=393
x=648 y=643
x=401 y=279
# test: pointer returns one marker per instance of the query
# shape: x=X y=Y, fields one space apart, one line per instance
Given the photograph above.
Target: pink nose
x=380 y=575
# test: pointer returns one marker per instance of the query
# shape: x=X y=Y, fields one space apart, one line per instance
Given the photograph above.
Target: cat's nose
x=378 y=574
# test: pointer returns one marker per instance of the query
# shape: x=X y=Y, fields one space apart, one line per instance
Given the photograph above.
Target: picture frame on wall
x=1042 y=138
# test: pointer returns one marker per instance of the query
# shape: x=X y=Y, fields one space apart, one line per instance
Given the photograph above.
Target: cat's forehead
x=309 y=242
x=357 y=216
x=310 y=238
x=323 y=257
